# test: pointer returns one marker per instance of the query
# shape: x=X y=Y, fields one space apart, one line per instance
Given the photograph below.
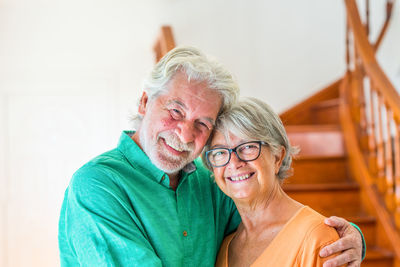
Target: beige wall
x=70 y=73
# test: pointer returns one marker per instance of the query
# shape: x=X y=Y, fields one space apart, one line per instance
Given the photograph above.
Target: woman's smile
x=240 y=177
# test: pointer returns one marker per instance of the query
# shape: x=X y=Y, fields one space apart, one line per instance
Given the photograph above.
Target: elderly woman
x=250 y=156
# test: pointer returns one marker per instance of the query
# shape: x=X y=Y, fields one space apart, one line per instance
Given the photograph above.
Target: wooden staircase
x=349 y=136
x=321 y=178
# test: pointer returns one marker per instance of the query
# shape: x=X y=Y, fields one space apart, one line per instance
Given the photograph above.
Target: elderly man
x=150 y=202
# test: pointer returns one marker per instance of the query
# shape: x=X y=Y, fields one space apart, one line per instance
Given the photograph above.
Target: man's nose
x=186 y=131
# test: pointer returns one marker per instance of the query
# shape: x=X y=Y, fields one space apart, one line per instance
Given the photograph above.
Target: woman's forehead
x=227 y=138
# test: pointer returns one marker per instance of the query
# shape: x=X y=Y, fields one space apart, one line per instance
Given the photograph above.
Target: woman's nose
x=235 y=161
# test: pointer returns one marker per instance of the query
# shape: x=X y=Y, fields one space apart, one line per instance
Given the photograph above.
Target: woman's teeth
x=240 y=178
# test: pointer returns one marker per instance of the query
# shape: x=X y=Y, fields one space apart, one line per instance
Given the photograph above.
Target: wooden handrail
x=367 y=55
x=370 y=118
x=389 y=9
x=164 y=43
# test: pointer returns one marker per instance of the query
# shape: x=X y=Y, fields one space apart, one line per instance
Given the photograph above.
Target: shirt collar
x=138 y=159
x=189 y=168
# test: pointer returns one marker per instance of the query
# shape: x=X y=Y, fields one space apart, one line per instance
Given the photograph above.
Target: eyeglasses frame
x=260 y=143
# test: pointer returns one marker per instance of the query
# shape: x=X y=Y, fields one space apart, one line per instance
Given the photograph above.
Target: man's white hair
x=197 y=67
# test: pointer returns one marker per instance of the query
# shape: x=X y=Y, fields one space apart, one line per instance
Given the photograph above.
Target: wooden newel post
x=164 y=43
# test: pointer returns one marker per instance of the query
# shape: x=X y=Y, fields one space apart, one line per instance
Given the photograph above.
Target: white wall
x=70 y=73
x=3 y=180
x=389 y=52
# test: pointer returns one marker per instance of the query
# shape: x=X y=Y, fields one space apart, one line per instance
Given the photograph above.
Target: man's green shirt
x=119 y=211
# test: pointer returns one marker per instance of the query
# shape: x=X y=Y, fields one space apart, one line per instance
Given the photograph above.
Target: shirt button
x=184 y=233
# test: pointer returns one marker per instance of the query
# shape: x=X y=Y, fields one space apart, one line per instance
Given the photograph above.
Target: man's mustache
x=173 y=141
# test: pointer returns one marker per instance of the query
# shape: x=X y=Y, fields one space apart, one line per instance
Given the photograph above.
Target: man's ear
x=143 y=104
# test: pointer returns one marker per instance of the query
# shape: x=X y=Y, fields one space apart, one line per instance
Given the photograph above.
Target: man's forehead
x=181 y=84
x=178 y=101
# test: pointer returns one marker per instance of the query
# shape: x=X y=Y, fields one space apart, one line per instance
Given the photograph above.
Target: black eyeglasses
x=249 y=151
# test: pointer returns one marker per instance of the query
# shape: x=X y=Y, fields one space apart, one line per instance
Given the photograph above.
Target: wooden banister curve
x=367 y=55
x=389 y=9
x=164 y=43
x=370 y=118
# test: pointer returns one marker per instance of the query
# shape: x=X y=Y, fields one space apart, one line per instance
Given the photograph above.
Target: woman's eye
x=247 y=148
x=219 y=153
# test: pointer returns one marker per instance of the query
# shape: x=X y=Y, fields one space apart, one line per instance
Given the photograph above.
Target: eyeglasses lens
x=219 y=157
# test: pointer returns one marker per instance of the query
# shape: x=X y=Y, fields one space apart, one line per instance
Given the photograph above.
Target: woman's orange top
x=297 y=244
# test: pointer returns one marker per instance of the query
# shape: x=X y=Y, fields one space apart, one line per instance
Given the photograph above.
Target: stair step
x=290 y=187
x=327 y=199
x=329 y=103
x=312 y=169
x=317 y=140
x=301 y=113
x=377 y=257
x=326 y=111
x=312 y=127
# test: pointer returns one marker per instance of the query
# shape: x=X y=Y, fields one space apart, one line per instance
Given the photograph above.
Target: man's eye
x=204 y=125
x=175 y=113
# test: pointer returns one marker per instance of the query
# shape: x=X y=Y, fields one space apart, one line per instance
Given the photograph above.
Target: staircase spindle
x=367 y=25
x=347 y=47
x=351 y=51
x=380 y=146
x=396 y=137
x=372 y=155
x=397 y=211
x=362 y=111
x=389 y=197
x=356 y=84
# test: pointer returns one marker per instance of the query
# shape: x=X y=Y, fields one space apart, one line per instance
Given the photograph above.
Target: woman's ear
x=143 y=104
x=279 y=159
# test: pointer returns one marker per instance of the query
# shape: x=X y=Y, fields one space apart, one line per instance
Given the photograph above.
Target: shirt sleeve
x=100 y=225
x=234 y=220
x=364 y=245
x=317 y=238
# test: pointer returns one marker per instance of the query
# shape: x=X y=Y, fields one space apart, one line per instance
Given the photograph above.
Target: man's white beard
x=162 y=158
